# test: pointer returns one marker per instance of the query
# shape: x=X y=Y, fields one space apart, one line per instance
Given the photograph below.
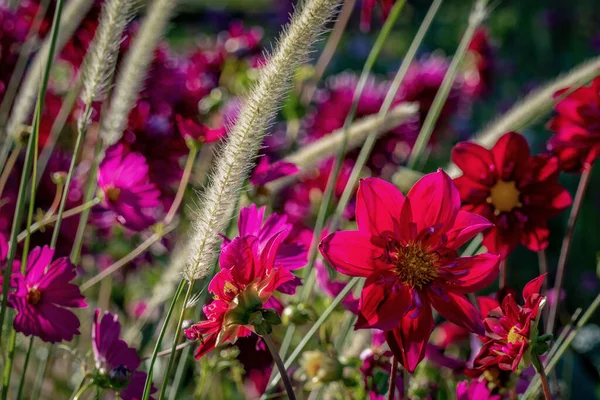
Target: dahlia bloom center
x=415 y=265
x=112 y=193
x=33 y=296
x=504 y=196
x=514 y=336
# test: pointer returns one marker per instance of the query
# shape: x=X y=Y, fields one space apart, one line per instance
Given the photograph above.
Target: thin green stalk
x=367 y=147
x=89 y=194
x=83 y=389
x=21 y=197
x=475 y=18
x=25 y=365
x=308 y=336
x=331 y=182
x=43 y=366
x=9 y=362
x=176 y=339
x=535 y=384
x=161 y=335
x=81 y=131
x=279 y=363
x=69 y=213
x=179 y=373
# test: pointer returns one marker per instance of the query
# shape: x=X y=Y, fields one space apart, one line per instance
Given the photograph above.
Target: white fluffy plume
x=238 y=153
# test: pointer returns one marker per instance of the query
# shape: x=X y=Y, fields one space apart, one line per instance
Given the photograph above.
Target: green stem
x=21 y=197
x=9 y=362
x=83 y=389
x=69 y=213
x=148 y=385
x=537 y=364
x=179 y=373
x=393 y=375
x=89 y=195
x=81 y=130
x=367 y=147
x=43 y=366
x=534 y=386
x=475 y=19
x=308 y=336
x=25 y=365
x=282 y=370
x=175 y=340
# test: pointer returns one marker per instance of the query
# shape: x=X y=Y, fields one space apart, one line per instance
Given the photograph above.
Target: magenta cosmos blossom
x=44 y=295
x=407 y=248
x=128 y=192
x=116 y=362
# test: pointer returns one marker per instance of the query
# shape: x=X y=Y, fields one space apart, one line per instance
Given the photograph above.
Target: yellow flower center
x=504 y=196
x=112 y=193
x=33 y=296
x=415 y=265
x=513 y=336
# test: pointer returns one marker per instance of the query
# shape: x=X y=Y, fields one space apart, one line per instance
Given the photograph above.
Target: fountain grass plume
x=100 y=62
x=237 y=155
x=135 y=67
x=71 y=18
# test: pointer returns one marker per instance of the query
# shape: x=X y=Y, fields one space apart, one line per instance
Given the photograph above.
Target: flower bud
x=297 y=314
x=319 y=368
x=119 y=377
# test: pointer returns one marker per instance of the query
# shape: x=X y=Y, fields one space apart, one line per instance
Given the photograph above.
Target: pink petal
x=456 y=308
x=352 y=253
x=475 y=161
x=434 y=200
x=409 y=341
x=378 y=205
x=466 y=226
x=480 y=271
x=511 y=155
x=383 y=302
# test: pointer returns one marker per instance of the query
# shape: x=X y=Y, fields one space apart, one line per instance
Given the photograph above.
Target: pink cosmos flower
x=116 y=362
x=407 y=248
x=43 y=297
x=266 y=171
x=518 y=192
x=128 y=192
x=248 y=277
x=474 y=390
x=508 y=330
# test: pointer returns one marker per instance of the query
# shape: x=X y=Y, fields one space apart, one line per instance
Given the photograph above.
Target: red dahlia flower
x=249 y=275
x=407 y=248
x=576 y=139
x=509 y=328
x=516 y=191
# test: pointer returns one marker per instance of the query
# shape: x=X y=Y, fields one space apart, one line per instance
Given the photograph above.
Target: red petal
x=500 y=242
x=378 y=205
x=466 y=227
x=535 y=235
x=511 y=155
x=383 y=302
x=475 y=161
x=531 y=291
x=482 y=271
x=352 y=253
x=456 y=308
x=434 y=200
x=409 y=341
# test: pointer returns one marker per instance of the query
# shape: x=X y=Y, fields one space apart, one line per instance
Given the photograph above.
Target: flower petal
x=466 y=226
x=353 y=253
x=383 y=302
x=474 y=273
x=511 y=155
x=456 y=308
x=409 y=341
x=378 y=205
x=434 y=200
x=475 y=161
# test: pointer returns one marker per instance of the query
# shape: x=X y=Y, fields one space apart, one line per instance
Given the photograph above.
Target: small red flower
x=508 y=330
x=407 y=250
x=249 y=275
x=367 y=8
x=576 y=140
x=516 y=191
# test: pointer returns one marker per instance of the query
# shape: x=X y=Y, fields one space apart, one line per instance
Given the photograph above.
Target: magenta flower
x=116 y=362
x=474 y=390
x=266 y=171
x=189 y=128
x=291 y=254
x=43 y=297
x=407 y=248
x=128 y=192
